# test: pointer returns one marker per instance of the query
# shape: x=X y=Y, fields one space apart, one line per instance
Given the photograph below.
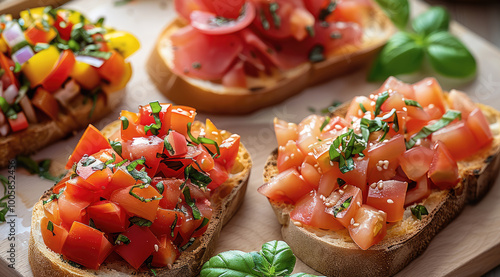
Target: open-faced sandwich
x=150 y=193
x=235 y=57
x=59 y=71
x=368 y=187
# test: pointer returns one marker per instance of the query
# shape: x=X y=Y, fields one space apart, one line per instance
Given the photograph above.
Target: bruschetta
x=234 y=57
x=368 y=187
x=59 y=71
x=150 y=193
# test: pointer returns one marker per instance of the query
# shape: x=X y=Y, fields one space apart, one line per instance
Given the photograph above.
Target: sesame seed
x=156 y=247
x=355 y=224
x=215 y=133
x=320 y=171
x=380 y=185
x=390 y=201
x=341 y=192
x=287 y=158
x=405 y=109
x=328 y=204
x=373 y=185
x=298 y=224
x=338 y=127
x=360 y=158
x=430 y=106
x=379 y=168
x=299 y=168
x=316 y=165
x=282 y=148
x=352 y=221
x=360 y=113
x=386 y=166
x=331 y=163
x=344 y=187
x=358 y=203
x=292 y=155
x=223 y=132
x=372 y=103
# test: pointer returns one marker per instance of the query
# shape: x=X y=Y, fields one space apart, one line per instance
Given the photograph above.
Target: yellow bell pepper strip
x=40 y=65
x=123 y=42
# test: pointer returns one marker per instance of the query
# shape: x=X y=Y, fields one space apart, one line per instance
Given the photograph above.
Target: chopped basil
x=172 y=227
x=138 y=174
x=325 y=122
x=196 y=65
x=121 y=163
x=23 y=90
x=341 y=182
x=203 y=140
x=316 y=54
x=191 y=203
x=141 y=198
x=50 y=227
x=122 y=239
x=186 y=246
x=4 y=104
x=167 y=144
x=363 y=109
x=124 y=122
x=378 y=124
x=110 y=161
x=99 y=22
x=342 y=206
x=160 y=187
x=155 y=111
x=409 y=102
x=263 y=20
x=310 y=31
x=88 y=160
x=325 y=12
x=117 y=146
x=447 y=118
x=174 y=165
x=418 y=211
x=352 y=144
x=53 y=196
x=203 y=224
x=17 y=68
x=273 y=8
x=41 y=168
x=380 y=100
x=197 y=178
x=96 y=54
x=331 y=108
x=140 y=221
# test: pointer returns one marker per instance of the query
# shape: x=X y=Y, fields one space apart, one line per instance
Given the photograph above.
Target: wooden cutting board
x=469 y=246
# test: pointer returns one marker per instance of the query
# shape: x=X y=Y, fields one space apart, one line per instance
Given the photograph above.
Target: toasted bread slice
x=405 y=240
x=79 y=114
x=227 y=198
x=264 y=91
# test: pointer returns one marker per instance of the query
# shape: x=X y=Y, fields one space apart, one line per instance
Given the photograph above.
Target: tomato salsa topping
x=145 y=193
x=390 y=151
x=255 y=39
x=48 y=57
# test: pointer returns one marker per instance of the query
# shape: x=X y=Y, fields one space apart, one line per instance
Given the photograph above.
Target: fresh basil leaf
x=187 y=196
x=122 y=239
x=418 y=211
x=141 y=198
x=325 y=122
x=160 y=187
x=342 y=206
x=397 y=10
x=197 y=178
x=124 y=122
x=413 y=103
x=140 y=221
x=434 y=19
x=231 y=263
x=449 y=56
x=446 y=119
x=117 y=146
x=50 y=227
x=279 y=256
x=326 y=11
x=317 y=54
x=380 y=100
x=402 y=54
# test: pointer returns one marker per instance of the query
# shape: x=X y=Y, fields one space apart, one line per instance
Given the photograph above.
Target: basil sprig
x=447 y=118
x=428 y=37
x=40 y=168
x=274 y=259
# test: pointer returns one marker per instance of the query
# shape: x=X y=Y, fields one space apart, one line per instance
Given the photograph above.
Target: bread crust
x=75 y=118
x=214 y=98
x=45 y=262
x=406 y=239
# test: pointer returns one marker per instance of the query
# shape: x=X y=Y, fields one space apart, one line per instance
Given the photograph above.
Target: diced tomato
x=63 y=25
x=355 y=110
x=46 y=102
x=395 y=101
x=389 y=196
x=344 y=203
x=54 y=239
x=177 y=144
x=415 y=162
x=167 y=223
x=133 y=205
x=236 y=76
x=204 y=160
x=185 y=7
x=175 y=167
x=285 y=131
x=146 y=118
x=191 y=58
x=86 y=246
x=329 y=182
x=369 y=227
x=181 y=116
x=134 y=128
x=120 y=179
x=108 y=155
x=395 y=85
x=60 y=72
x=96 y=173
x=108 y=216
x=141 y=246
x=320 y=152
x=388 y=151
x=218 y=174
x=444 y=169
x=193 y=227
x=92 y=141
x=428 y=92
x=51 y=210
x=19 y=123
x=113 y=68
x=459 y=140
x=480 y=127
x=225 y=8
x=284 y=12
x=309 y=132
x=421 y=191
x=310 y=174
x=229 y=151
x=167 y=253
x=334 y=128
x=461 y=102
x=351 y=11
x=289 y=156
x=288 y=186
x=310 y=210
x=81 y=189
x=147 y=147
x=72 y=209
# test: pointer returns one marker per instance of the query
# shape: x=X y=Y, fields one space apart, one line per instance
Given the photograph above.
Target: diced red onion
x=13 y=34
x=23 y=55
x=10 y=94
x=93 y=61
x=66 y=94
x=4 y=129
x=28 y=109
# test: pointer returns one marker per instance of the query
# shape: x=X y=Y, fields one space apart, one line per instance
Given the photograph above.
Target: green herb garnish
x=325 y=122
x=122 y=239
x=418 y=211
x=342 y=206
x=413 y=103
x=124 y=122
x=447 y=118
x=50 y=227
x=140 y=221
